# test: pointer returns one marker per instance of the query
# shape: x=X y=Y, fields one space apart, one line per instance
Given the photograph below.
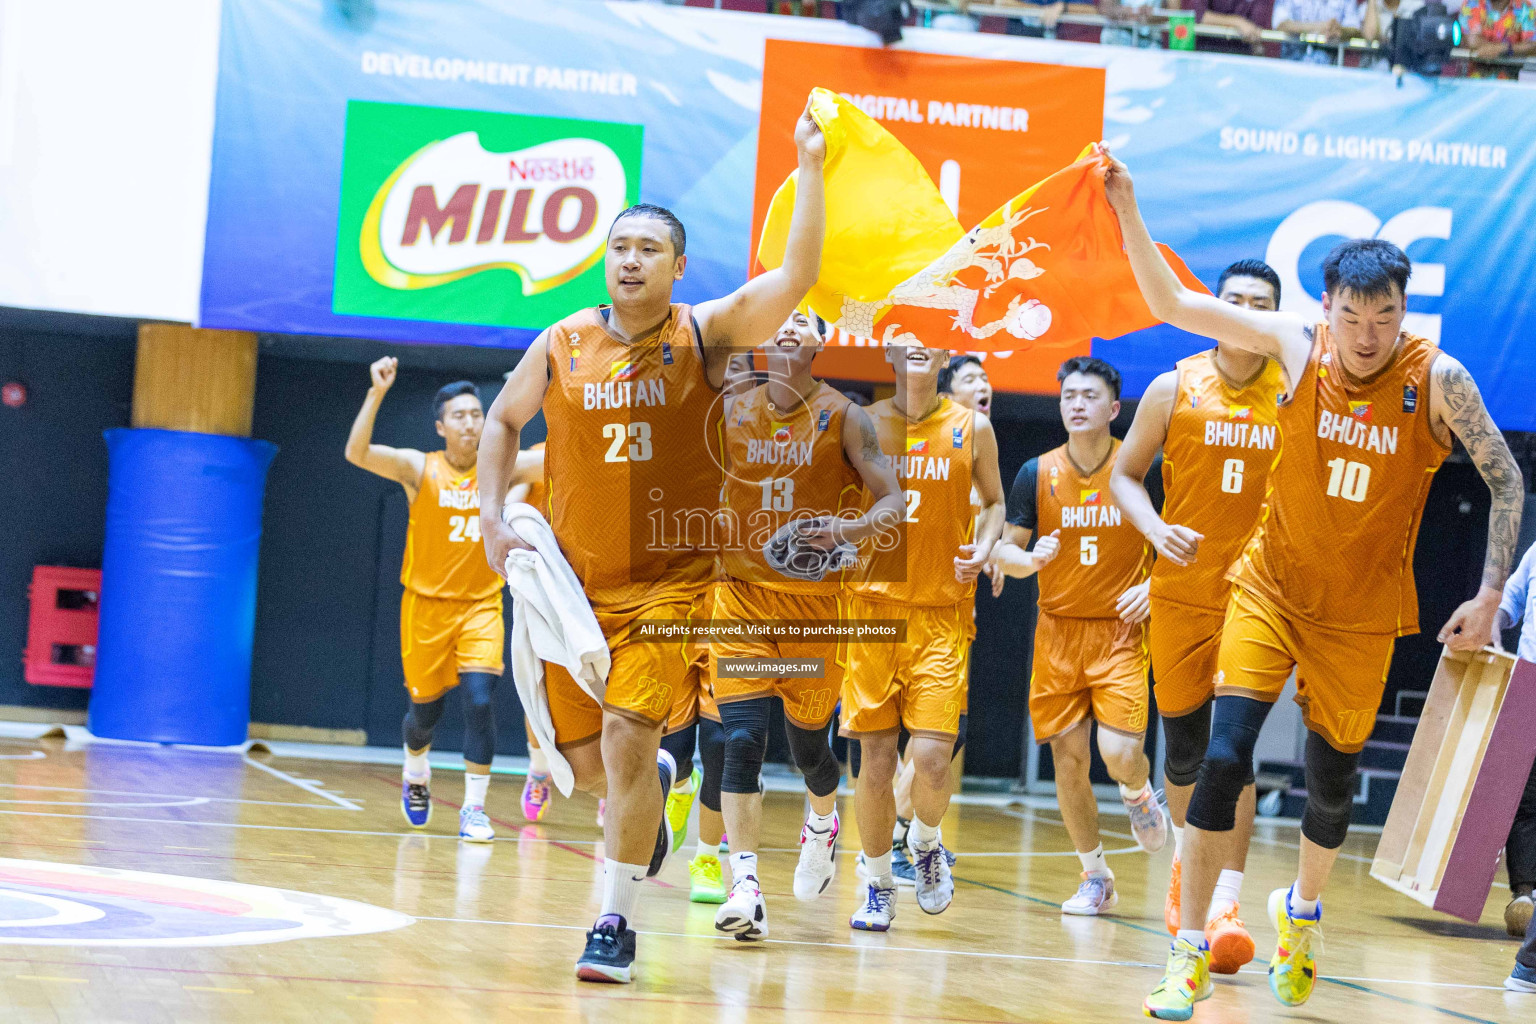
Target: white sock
x=665 y=757
x=899 y=830
x=878 y=870
x=1094 y=862
x=1194 y=936
x=743 y=865
x=1178 y=842
x=621 y=889
x=417 y=769
x=923 y=834
x=684 y=784
x=1300 y=908
x=1132 y=796
x=821 y=822
x=474 y=789
x=1225 y=896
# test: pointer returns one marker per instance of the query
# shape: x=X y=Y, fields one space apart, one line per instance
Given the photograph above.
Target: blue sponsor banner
x=1233 y=157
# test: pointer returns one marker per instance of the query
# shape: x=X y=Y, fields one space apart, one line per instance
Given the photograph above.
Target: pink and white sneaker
x=535 y=796
x=818 y=857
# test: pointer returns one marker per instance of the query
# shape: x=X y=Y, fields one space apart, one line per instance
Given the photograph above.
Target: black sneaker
x=664 y=828
x=610 y=953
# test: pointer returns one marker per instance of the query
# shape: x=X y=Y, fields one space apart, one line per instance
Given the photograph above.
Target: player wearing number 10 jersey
x=1325 y=585
x=451 y=630
x=1214 y=419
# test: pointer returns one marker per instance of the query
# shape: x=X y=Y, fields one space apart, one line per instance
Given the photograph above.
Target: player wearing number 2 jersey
x=1214 y=419
x=450 y=615
x=1325 y=585
x=631 y=396
x=1090 y=661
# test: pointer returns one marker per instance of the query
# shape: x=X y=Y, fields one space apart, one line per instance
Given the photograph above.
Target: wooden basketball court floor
x=118 y=903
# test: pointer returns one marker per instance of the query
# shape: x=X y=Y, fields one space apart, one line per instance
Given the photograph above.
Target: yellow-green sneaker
x=679 y=806
x=1185 y=983
x=1293 y=968
x=708 y=881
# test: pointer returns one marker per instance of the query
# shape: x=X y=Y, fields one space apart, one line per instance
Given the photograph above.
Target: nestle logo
x=552 y=169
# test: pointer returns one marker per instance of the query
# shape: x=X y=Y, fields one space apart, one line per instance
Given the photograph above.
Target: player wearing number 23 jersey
x=1328 y=573
x=632 y=469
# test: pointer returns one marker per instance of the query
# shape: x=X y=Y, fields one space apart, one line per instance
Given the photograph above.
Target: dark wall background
x=327 y=629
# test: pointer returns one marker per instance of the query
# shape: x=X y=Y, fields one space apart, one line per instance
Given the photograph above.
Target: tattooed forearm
x=1469 y=420
x=869 y=441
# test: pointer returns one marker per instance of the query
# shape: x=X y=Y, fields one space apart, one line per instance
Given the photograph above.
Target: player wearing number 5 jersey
x=1213 y=418
x=451 y=629
x=1325 y=585
x=631 y=394
x=1090 y=661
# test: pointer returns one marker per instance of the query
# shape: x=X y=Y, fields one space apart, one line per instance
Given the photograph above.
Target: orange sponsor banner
x=984 y=130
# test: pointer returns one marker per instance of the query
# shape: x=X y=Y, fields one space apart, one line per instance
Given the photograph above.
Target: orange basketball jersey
x=1221 y=443
x=933 y=457
x=1334 y=544
x=443 y=554
x=538 y=494
x=782 y=464
x=1102 y=555
x=632 y=459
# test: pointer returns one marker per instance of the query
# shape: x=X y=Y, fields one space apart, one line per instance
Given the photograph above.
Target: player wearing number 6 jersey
x=631 y=394
x=1090 y=661
x=1213 y=418
x=451 y=630
x=1325 y=585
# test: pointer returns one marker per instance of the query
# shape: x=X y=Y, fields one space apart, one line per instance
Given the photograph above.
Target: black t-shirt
x=1021 y=499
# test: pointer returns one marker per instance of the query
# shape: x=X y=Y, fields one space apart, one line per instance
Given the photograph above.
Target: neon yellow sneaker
x=1293 y=968
x=679 y=806
x=708 y=881
x=1185 y=983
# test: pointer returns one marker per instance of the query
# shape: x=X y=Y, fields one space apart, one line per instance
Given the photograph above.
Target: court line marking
x=50 y=977
x=307 y=785
x=568 y=995
x=160 y=796
x=213 y=988
x=860 y=947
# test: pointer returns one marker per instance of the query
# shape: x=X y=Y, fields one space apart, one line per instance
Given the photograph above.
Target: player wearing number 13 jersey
x=451 y=631
x=1325 y=585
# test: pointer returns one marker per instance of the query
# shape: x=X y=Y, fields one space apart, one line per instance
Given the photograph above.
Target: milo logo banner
x=459 y=216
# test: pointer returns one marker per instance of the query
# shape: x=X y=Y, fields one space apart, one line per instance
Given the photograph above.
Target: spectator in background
x=1335 y=20
x=1248 y=17
x=1498 y=28
x=1046 y=13
x=1519 y=608
x=1130 y=23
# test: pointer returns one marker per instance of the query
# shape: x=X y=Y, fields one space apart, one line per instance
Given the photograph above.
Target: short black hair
x=448 y=392
x=947 y=375
x=1369 y=267
x=661 y=213
x=1093 y=368
x=1252 y=268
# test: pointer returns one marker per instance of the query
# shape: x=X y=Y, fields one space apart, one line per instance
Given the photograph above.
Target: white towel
x=551 y=621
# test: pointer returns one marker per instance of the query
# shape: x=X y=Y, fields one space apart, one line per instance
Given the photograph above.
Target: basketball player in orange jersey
x=631 y=396
x=1213 y=420
x=795 y=449
x=924 y=573
x=1090 y=663
x=451 y=631
x=1325 y=584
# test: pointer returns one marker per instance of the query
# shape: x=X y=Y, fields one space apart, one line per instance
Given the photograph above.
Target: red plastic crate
x=61 y=627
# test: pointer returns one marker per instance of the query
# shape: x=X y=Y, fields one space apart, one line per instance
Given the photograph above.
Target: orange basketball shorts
x=648 y=679
x=1185 y=642
x=441 y=637
x=1340 y=677
x=1088 y=668
x=919 y=684
x=808 y=703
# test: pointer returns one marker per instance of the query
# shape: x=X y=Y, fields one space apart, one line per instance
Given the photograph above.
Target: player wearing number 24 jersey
x=1325 y=584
